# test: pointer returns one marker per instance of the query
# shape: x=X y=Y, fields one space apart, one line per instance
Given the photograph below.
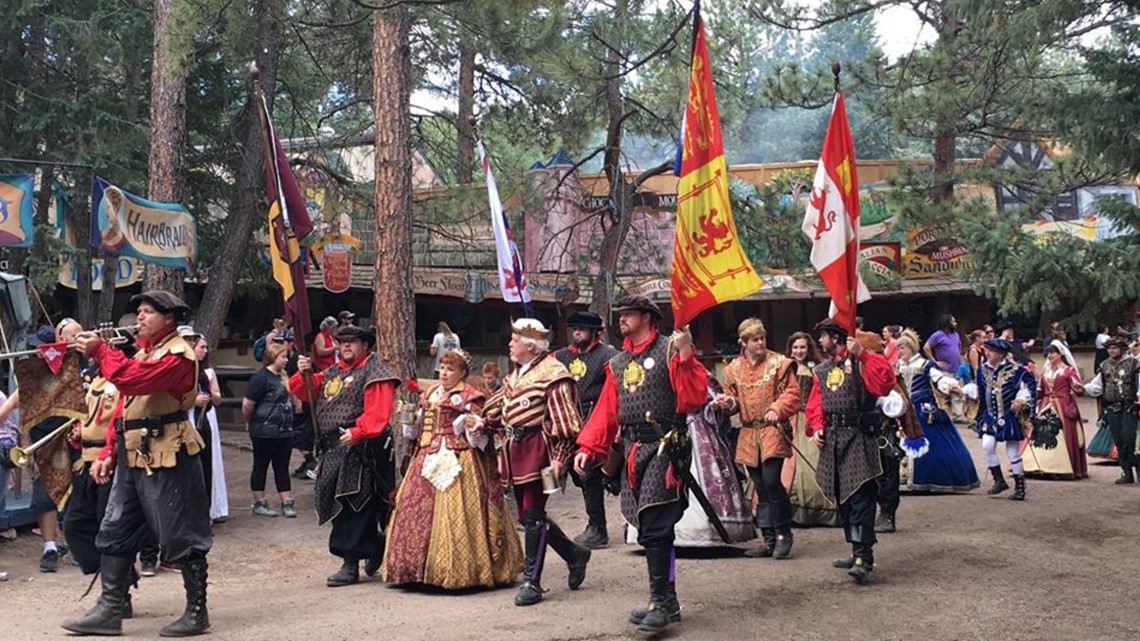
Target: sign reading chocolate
x=934 y=252
x=153 y=232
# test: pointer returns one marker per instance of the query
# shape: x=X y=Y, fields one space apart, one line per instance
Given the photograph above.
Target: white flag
x=512 y=280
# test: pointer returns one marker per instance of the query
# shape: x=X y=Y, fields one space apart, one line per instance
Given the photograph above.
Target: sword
x=670 y=447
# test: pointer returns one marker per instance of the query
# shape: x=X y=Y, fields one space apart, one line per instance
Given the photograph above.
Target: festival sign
x=882 y=258
x=154 y=232
x=934 y=252
x=16 y=227
x=335 y=253
x=128 y=271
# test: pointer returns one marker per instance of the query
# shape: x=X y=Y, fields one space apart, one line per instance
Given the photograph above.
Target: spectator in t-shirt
x=346 y=318
x=944 y=346
x=445 y=340
x=891 y=335
x=268 y=409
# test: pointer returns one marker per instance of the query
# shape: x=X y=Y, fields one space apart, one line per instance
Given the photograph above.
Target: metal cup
x=549 y=483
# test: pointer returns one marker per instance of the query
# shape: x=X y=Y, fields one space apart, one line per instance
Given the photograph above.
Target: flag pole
x=836 y=70
x=269 y=142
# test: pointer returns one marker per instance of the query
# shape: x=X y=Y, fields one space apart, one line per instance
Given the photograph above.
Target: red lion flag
x=289 y=224
x=709 y=264
x=832 y=220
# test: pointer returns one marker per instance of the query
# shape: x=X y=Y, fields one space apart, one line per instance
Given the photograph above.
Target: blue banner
x=16 y=207
x=161 y=233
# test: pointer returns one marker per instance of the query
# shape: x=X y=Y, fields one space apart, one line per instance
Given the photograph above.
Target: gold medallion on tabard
x=634 y=377
x=577 y=368
x=333 y=387
x=835 y=378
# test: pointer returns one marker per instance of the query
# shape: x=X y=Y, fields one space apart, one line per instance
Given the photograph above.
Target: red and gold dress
x=458 y=536
x=1056 y=389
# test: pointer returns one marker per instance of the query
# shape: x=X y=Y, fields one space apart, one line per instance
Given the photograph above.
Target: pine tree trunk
x=394 y=302
x=465 y=159
x=247 y=205
x=166 y=171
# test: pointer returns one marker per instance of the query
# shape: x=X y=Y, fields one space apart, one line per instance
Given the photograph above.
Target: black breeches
x=773 y=506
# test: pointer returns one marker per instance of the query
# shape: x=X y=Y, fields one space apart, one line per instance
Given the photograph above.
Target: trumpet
x=22 y=456
x=113 y=335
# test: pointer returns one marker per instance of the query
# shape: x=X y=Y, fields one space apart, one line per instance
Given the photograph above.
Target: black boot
x=575 y=555
x=846 y=563
x=372 y=565
x=999 y=485
x=106 y=618
x=595 y=536
x=1018 y=488
x=195 y=619
x=663 y=605
x=783 y=547
x=861 y=570
x=348 y=574
x=885 y=523
x=531 y=591
x=764 y=551
x=1126 y=476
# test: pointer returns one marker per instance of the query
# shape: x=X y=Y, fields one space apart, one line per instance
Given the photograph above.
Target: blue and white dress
x=947 y=466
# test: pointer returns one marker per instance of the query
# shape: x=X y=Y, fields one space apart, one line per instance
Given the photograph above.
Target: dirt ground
x=1062 y=565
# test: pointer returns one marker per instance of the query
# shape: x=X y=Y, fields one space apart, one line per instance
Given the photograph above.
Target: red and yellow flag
x=709 y=264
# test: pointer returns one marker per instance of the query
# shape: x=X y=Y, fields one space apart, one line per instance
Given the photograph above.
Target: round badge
x=525 y=403
x=456 y=399
x=1001 y=422
x=649 y=363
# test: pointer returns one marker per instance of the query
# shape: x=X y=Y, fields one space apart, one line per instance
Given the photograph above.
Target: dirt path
x=1062 y=566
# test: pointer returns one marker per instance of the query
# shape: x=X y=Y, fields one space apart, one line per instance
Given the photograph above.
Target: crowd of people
x=826 y=432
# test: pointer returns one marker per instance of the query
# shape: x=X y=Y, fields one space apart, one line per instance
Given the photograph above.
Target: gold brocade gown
x=461 y=536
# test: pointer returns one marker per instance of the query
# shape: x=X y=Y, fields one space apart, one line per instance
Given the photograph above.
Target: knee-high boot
x=663 y=605
x=195 y=619
x=535 y=547
x=575 y=555
x=106 y=618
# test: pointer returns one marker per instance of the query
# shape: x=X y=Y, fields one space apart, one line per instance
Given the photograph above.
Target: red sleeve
x=171 y=373
x=109 y=447
x=690 y=382
x=379 y=399
x=878 y=377
x=600 y=429
x=813 y=411
x=297 y=385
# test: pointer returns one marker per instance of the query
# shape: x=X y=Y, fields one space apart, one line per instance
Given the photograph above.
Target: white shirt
x=443 y=344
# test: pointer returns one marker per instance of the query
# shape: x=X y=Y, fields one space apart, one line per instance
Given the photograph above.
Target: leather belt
x=852 y=420
x=518 y=433
x=153 y=421
x=86 y=443
x=647 y=432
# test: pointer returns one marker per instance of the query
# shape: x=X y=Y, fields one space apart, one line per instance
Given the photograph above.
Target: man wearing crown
x=650 y=386
x=586 y=359
x=761 y=386
x=536 y=410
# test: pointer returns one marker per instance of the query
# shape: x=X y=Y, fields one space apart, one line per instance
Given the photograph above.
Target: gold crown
x=750 y=327
x=526 y=328
x=462 y=355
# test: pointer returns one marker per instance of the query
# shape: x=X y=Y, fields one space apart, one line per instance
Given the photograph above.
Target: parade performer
x=809 y=504
x=650 y=386
x=762 y=388
x=354 y=402
x=841 y=413
x=158 y=476
x=711 y=466
x=1004 y=389
x=91 y=477
x=1118 y=385
x=537 y=410
x=1057 y=390
x=586 y=358
x=449 y=525
x=946 y=466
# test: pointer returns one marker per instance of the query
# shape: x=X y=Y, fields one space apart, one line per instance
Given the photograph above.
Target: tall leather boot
x=106 y=618
x=575 y=556
x=663 y=605
x=195 y=619
x=999 y=485
x=535 y=547
x=593 y=493
x=768 y=534
x=782 y=515
x=1018 y=488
